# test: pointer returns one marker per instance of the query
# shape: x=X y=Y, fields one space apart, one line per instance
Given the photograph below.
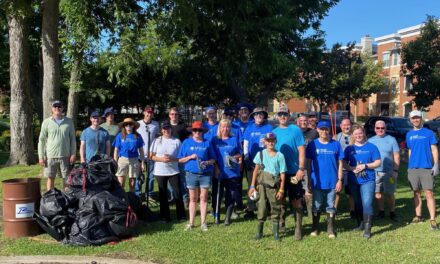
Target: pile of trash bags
x=93 y=210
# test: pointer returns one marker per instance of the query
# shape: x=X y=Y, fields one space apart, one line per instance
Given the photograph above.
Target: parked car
x=396 y=126
x=434 y=125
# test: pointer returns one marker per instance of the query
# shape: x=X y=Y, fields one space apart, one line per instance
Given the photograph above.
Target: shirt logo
x=416 y=137
x=324 y=152
x=196 y=148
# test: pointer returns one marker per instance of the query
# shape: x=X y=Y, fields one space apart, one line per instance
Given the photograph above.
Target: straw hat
x=129 y=120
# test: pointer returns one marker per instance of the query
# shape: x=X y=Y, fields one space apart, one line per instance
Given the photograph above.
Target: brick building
x=393 y=100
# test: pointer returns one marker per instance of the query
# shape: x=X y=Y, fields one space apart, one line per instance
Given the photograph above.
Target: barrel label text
x=24 y=210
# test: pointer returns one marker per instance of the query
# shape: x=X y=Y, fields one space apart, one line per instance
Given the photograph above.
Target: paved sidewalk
x=66 y=260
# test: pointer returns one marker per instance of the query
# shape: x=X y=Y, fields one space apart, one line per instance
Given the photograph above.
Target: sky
x=350 y=20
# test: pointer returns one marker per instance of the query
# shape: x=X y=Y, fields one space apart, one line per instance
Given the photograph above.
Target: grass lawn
x=168 y=243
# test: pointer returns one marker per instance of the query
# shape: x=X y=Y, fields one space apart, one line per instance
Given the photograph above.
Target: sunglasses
x=128 y=125
x=197 y=130
x=259 y=113
x=380 y=128
x=283 y=114
x=346 y=140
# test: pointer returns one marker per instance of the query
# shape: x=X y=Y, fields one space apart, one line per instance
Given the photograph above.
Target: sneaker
x=417 y=219
x=433 y=224
x=314 y=233
x=204 y=227
x=381 y=215
x=234 y=216
x=188 y=227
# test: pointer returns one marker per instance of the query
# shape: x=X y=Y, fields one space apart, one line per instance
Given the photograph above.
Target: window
x=396 y=58
x=408 y=83
x=394 y=85
x=386 y=59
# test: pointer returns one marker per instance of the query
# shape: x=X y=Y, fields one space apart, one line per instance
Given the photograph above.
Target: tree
x=50 y=55
x=248 y=48
x=421 y=62
x=22 y=147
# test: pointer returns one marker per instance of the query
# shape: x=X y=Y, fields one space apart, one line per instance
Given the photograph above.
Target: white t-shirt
x=151 y=129
x=166 y=146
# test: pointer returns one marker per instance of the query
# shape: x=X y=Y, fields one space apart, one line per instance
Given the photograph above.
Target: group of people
x=300 y=166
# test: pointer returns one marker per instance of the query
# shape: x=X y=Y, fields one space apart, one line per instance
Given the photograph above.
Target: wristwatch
x=301 y=168
x=366 y=166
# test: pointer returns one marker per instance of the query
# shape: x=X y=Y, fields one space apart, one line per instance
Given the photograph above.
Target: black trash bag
x=104 y=163
x=78 y=178
x=88 y=229
x=142 y=211
x=55 y=232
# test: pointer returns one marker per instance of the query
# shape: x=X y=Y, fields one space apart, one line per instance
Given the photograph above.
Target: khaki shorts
x=420 y=179
x=128 y=166
x=57 y=166
x=383 y=184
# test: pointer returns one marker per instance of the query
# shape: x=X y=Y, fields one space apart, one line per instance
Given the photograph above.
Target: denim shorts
x=194 y=180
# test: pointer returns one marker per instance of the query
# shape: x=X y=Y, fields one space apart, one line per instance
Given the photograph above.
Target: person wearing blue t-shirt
x=290 y=142
x=228 y=152
x=271 y=187
x=387 y=172
x=198 y=157
x=422 y=166
x=128 y=150
x=95 y=140
x=211 y=123
x=361 y=158
x=253 y=141
x=324 y=167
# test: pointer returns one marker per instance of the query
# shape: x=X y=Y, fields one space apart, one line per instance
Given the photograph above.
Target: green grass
x=168 y=243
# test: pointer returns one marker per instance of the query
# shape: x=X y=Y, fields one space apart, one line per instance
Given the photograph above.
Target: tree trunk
x=74 y=86
x=22 y=146
x=51 y=59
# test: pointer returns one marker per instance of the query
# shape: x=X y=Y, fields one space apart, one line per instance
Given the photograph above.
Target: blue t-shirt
x=355 y=155
x=242 y=125
x=204 y=152
x=255 y=134
x=288 y=141
x=128 y=147
x=324 y=163
x=224 y=148
x=95 y=141
x=212 y=130
x=274 y=165
x=387 y=146
x=419 y=142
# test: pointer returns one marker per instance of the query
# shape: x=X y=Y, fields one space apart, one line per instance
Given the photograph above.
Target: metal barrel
x=21 y=197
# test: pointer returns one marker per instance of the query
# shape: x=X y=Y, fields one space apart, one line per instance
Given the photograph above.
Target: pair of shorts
x=420 y=179
x=383 y=184
x=294 y=191
x=128 y=167
x=60 y=166
x=195 y=180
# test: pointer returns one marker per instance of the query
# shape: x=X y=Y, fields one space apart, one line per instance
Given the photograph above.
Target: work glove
x=434 y=170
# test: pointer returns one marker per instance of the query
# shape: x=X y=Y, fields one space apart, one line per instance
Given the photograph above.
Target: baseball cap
x=283 y=109
x=415 y=113
x=270 y=136
x=108 y=111
x=149 y=109
x=166 y=125
x=56 y=103
x=323 y=123
x=228 y=112
x=95 y=114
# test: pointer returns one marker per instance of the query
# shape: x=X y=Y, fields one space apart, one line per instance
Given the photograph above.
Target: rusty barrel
x=21 y=197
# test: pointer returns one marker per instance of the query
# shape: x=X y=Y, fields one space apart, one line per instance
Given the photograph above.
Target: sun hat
x=129 y=120
x=259 y=110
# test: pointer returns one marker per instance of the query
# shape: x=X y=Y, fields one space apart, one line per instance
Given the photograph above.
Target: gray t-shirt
x=166 y=146
x=151 y=129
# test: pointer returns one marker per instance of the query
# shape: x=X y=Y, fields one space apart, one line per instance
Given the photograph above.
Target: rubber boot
x=330 y=225
x=259 y=234
x=315 y=224
x=309 y=202
x=368 y=221
x=228 y=215
x=275 y=228
x=298 y=225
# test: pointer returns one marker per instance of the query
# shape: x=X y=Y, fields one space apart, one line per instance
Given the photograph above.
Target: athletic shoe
x=381 y=215
x=234 y=216
x=417 y=219
x=433 y=224
x=204 y=227
x=314 y=234
x=188 y=227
